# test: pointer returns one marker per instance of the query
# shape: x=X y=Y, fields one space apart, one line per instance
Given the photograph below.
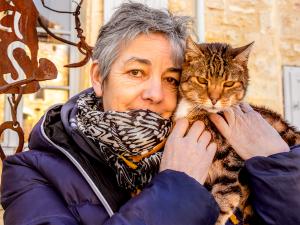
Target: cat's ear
x=192 y=50
x=241 y=54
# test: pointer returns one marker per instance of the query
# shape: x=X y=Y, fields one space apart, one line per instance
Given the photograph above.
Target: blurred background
x=274 y=63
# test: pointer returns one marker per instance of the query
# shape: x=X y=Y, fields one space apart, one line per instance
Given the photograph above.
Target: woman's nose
x=153 y=90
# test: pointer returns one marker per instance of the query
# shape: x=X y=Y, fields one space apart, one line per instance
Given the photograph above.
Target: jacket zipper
x=81 y=170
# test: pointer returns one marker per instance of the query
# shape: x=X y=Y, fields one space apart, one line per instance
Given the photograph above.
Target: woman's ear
x=96 y=78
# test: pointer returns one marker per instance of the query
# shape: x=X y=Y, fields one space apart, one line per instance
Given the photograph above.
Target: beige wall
x=92 y=19
x=273 y=25
x=181 y=7
x=290 y=32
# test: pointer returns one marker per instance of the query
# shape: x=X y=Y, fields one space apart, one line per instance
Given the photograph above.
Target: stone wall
x=290 y=32
x=273 y=25
x=92 y=18
x=180 y=7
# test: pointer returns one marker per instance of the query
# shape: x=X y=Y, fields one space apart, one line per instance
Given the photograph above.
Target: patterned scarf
x=130 y=142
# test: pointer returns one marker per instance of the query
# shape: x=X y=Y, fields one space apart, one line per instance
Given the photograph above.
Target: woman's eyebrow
x=140 y=60
x=174 y=69
x=148 y=62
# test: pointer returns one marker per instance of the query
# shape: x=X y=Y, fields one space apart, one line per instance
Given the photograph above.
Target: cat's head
x=214 y=75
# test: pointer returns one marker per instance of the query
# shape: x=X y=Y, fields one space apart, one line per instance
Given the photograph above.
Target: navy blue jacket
x=59 y=182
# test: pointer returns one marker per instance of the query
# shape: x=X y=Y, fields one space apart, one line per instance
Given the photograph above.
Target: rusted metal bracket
x=82 y=46
x=20 y=70
x=14 y=124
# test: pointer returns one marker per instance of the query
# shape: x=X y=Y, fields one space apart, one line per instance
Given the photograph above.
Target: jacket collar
x=55 y=133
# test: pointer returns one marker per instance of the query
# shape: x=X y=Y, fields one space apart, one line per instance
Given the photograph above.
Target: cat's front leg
x=228 y=198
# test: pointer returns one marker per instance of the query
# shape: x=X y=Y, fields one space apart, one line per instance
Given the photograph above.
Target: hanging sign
x=20 y=69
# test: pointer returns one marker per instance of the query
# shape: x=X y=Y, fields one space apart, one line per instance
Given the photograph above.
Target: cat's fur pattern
x=204 y=87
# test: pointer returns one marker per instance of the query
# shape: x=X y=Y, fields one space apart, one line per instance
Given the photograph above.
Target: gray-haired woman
x=97 y=158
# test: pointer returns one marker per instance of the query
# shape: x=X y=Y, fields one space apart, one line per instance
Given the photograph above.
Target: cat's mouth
x=213 y=109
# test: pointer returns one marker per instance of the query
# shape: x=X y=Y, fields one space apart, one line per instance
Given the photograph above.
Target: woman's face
x=144 y=76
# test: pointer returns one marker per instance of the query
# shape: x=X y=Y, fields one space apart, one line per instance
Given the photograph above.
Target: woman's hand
x=248 y=133
x=191 y=153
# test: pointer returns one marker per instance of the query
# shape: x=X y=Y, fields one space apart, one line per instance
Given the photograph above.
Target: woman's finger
x=237 y=110
x=246 y=107
x=195 y=130
x=204 y=140
x=229 y=116
x=221 y=124
x=180 y=128
x=211 y=150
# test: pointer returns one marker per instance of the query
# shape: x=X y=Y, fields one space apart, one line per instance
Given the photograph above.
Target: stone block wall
x=290 y=32
x=92 y=19
x=273 y=25
x=180 y=7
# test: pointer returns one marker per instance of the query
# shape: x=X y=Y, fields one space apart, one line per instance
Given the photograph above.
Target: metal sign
x=20 y=69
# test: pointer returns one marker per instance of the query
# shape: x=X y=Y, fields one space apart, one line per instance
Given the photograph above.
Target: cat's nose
x=214 y=101
x=214 y=96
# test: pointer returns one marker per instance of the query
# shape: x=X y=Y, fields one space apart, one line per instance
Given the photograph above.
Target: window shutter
x=292 y=95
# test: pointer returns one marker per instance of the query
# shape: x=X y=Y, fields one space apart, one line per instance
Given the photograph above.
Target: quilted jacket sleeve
x=25 y=194
x=172 y=198
x=275 y=184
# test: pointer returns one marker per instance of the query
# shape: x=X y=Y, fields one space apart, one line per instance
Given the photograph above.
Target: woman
x=96 y=159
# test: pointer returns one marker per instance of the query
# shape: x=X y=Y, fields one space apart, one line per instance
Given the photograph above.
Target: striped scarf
x=130 y=142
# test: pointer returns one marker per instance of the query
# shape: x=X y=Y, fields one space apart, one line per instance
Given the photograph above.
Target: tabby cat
x=214 y=77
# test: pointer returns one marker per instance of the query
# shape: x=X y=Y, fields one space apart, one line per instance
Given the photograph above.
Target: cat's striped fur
x=214 y=77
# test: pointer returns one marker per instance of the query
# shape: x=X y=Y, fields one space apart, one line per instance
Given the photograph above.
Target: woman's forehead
x=146 y=49
x=139 y=60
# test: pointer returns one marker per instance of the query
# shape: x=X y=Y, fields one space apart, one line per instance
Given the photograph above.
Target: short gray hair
x=132 y=19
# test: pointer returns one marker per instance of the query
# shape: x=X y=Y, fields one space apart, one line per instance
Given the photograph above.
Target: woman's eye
x=136 y=73
x=202 y=80
x=229 y=84
x=172 y=81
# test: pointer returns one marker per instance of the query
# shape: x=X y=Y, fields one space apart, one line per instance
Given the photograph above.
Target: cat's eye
x=229 y=84
x=202 y=80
